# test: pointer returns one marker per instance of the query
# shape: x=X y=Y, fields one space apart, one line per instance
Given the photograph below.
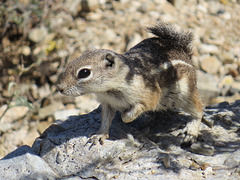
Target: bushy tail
x=171 y=37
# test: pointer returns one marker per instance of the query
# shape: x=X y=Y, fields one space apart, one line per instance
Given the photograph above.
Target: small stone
x=166 y=162
x=194 y=166
x=208 y=171
x=25 y=163
x=5 y=42
x=26 y=51
x=200 y=148
x=38 y=34
x=73 y=6
x=227 y=58
x=42 y=126
x=178 y=3
x=210 y=64
x=207 y=48
x=12 y=114
x=64 y=114
x=90 y=5
x=226 y=81
x=233 y=160
x=62 y=20
x=110 y=35
x=136 y=38
x=204 y=166
x=236 y=86
x=86 y=107
x=208 y=86
x=49 y=109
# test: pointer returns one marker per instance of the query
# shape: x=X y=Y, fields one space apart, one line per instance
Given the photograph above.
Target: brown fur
x=156 y=74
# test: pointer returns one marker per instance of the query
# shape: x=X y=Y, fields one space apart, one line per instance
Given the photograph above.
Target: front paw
x=189 y=134
x=128 y=117
x=187 y=139
x=96 y=138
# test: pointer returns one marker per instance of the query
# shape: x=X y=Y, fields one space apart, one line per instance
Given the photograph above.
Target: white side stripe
x=167 y=65
x=172 y=63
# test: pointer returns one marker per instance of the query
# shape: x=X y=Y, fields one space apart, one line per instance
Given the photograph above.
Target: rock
x=43 y=125
x=144 y=149
x=25 y=164
x=226 y=81
x=216 y=35
x=13 y=114
x=210 y=64
x=236 y=86
x=178 y=4
x=62 y=19
x=5 y=42
x=86 y=108
x=204 y=149
x=231 y=69
x=22 y=134
x=233 y=160
x=114 y=159
x=73 y=6
x=207 y=48
x=227 y=58
x=89 y=5
x=109 y=35
x=63 y=114
x=50 y=109
x=136 y=38
x=38 y=34
x=229 y=99
x=25 y=50
x=208 y=86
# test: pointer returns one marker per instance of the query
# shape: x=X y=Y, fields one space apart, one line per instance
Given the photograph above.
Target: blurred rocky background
x=38 y=39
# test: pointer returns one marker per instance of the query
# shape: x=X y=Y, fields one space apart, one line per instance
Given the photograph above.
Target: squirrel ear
x=109 y=60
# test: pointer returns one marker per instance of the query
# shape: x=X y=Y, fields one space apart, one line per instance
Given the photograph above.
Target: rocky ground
x=39 y=38
x=148 y=148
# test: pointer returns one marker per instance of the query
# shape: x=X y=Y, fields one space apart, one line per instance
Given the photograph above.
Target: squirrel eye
x=83 y=73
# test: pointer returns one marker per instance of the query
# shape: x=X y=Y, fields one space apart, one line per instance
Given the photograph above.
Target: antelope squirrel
x=157 y=74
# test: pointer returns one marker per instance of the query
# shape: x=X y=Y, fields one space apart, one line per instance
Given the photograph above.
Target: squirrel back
x=155 y=58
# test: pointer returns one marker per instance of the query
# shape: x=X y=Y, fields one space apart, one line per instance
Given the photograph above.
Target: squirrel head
x=93 y=72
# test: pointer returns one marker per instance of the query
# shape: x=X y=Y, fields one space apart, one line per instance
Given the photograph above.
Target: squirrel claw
x=187 y=137
x=190 y=133
x=95 y=139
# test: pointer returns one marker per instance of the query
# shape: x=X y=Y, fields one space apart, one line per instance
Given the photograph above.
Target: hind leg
x=191 y=130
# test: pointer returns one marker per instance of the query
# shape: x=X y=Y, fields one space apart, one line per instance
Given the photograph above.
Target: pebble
x=38 y=34
x=208 y=86
x=90 y=5
x=208 y=48
x=136 y=38
x=109 y=35
x=13 y=114
x=86 y=104
x=233 y=160
x=210 y=64
x=50 y=109
x=203 y=149
x=61 y=20
x=227 y=58
x=226 y=81
x=73 y=6
x=64 y=114
x=26 y=50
